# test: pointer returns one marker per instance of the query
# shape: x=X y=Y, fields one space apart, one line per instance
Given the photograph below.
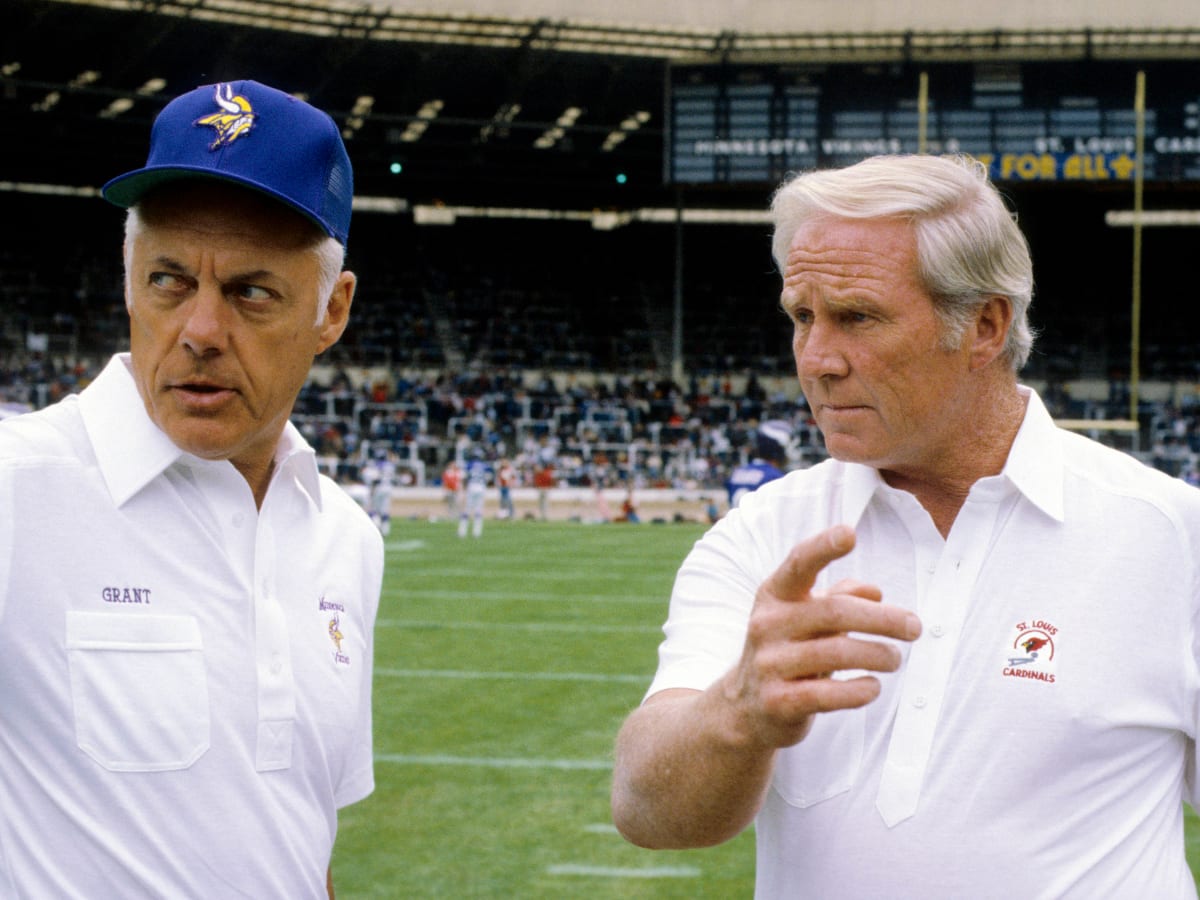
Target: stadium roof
x=543 y=104
x=862 y=16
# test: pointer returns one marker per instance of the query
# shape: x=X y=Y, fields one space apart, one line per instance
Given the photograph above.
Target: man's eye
x=252 y=293
x=167 y=281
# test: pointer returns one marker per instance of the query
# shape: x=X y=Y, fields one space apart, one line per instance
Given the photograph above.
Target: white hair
x=969 y=247
x=331 y=256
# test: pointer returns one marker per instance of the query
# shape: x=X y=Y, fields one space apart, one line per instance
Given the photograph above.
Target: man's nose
x=206 y=329
x=818 y=352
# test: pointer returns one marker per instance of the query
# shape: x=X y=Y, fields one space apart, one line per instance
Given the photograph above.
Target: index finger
x=796 y=575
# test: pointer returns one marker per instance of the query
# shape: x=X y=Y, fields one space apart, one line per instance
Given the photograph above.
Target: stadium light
x=48 y=102
x=54 y=190
x=1125 y=218
x=601 y=220
x=391 y=205
x=118 y=106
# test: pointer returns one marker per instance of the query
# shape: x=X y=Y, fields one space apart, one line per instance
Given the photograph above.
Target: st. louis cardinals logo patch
x=1030 y=655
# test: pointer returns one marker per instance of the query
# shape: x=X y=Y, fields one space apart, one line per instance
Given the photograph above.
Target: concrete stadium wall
x=564 y=504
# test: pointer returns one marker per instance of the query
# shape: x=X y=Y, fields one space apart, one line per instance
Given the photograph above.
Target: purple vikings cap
x=253 y=135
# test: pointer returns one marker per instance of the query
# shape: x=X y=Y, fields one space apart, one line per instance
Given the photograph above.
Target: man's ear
x=128 y=260
x=990 y=332
x=337 y=315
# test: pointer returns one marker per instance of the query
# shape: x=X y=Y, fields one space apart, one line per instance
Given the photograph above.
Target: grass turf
x=504 y=667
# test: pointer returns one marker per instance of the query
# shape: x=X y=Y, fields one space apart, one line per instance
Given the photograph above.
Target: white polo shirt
x=185 y=679
x=1037 y=738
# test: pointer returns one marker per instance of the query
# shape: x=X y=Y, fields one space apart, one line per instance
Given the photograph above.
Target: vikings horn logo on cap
x=236 y=119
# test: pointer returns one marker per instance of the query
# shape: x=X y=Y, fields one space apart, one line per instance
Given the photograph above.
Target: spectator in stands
x=772 y=442
x=187 y=663
x=1023 y=708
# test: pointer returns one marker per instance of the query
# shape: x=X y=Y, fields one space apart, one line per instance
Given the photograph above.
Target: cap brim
x=126 y=190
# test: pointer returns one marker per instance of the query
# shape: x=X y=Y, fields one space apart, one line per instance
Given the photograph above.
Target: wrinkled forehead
x=845 y=250
x=210 y=208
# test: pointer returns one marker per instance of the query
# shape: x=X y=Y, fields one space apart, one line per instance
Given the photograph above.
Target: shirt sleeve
x=6 y=534
x=710 y=606
x=1192 y=769
x=1190 y=569
x=358 y=775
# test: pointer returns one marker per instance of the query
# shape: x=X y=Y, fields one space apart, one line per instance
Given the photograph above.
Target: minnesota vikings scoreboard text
x=1041 y=121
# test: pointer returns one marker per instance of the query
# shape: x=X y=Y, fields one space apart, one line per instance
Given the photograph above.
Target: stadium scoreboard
x=1028 y=121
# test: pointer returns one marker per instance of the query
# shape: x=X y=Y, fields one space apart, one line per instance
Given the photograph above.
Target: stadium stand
x=461 y=340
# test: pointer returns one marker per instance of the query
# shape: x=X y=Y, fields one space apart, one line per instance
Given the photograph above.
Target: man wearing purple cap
x=188 y=688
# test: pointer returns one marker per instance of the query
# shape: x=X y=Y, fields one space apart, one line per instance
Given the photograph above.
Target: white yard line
x=601 y=828
x=624 y=871
x=405 y=546
x=491 y=762
x=410 y=594
x=511 y=676
x=565 y=627
x=557 y=576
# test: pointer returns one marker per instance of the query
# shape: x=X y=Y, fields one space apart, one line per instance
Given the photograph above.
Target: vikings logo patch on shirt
x=1031 y=653
x=235 y=118
x=332 y=613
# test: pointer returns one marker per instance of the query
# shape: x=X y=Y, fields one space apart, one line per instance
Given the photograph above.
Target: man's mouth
x=202 y=395
x=839 y=410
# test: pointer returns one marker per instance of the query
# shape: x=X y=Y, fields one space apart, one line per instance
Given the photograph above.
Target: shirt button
x=238 y=519
x=919 y=702
x=276 y=664
x=937 y=630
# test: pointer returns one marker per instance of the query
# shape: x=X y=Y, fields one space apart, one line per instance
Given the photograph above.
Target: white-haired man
x=959 y=658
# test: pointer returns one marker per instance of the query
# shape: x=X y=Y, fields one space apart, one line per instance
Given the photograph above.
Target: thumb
x=795 y=577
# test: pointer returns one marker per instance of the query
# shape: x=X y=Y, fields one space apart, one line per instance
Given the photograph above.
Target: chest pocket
x=139 y=690
x=826 y=763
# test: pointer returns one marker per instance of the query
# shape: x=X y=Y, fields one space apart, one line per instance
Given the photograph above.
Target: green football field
x=503 y=668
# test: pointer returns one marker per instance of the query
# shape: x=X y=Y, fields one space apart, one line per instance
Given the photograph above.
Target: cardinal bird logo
x=1031 y=655
x=1033 y=644
x=235 y=118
